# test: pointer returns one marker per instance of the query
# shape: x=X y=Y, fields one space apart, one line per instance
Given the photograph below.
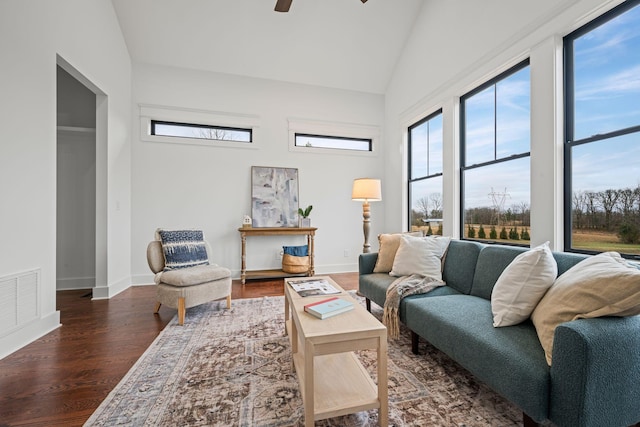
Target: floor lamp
x=366 y=190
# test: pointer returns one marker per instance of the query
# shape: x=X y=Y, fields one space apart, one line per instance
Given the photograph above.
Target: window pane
x=498 y=195
x=435 y=145
x=607 y=76
x=419 y=149
x=479 y=127
x=187 y=130
x=426 y=205
x=426 y=148
x=335 y=142
x=513 y=105
x=606 y=194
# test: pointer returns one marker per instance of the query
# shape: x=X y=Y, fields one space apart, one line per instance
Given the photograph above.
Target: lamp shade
x=367 y=189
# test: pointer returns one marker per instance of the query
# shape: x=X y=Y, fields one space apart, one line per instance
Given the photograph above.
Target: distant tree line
x=609 y=210
x=614 y=211
x=517 y=214
x=514 y=233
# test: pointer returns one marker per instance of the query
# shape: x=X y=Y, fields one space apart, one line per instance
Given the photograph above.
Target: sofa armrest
x=595 y=373
x=367 y=262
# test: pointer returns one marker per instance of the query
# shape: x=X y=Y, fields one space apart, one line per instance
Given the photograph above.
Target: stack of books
x=328 y=307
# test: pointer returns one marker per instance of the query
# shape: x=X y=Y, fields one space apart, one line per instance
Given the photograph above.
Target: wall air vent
x=19 y=300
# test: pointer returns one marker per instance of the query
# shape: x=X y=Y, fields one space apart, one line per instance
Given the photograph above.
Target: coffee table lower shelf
x=332 y=380
x=345 y=387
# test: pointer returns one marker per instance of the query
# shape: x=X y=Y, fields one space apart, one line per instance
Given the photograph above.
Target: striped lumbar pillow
x=183 y=248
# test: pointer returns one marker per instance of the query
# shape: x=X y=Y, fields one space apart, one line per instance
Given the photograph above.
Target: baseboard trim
x=29 y=333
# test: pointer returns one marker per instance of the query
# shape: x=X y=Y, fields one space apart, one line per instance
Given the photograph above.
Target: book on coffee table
x=328 y=307
x=312 y=287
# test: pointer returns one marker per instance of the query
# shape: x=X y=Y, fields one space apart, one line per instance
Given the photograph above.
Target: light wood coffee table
x=333 y=382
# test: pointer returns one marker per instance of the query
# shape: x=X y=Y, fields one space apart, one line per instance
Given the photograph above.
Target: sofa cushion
x=509 y=360
x=420 y=255
x=460 y=264
x=566 y=260
x=602 y=285
x=374 y=287
x=522 y=285
x=193 y=275
x=389 y=244
x=183 y=248
x=492 y=261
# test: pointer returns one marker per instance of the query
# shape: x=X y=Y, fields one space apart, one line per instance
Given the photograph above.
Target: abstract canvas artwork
x=274 y=196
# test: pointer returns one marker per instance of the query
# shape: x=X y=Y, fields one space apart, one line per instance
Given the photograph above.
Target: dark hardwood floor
x=60 y=379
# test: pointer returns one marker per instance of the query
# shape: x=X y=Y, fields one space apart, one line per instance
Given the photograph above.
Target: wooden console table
x=310 y=232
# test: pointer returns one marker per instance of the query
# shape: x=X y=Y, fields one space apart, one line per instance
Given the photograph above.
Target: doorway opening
x=80 y=182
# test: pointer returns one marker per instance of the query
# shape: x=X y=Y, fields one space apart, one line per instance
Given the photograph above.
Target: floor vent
x=19 y=300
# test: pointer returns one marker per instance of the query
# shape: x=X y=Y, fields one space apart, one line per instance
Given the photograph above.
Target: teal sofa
x=594 y=379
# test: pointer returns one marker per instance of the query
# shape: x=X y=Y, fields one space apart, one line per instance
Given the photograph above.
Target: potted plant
x=303 y=217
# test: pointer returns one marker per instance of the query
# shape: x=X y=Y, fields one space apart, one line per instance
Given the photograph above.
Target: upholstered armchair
x=184 y=276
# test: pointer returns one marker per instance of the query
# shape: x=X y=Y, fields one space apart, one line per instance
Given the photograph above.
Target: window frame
x=155 y=122
x=569 y=122
x=331 y=129
x=150 y=113
x=410 y=178
x=369 y=142
x=463 y=167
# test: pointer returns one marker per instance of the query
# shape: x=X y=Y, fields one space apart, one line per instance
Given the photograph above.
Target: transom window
x=199 y=131
x=334 y=142
x=602 y=130
x=425 y=174
x=495 y=154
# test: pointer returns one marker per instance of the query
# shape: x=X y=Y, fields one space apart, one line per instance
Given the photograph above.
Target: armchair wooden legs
x=181 y=311
x=182 y=308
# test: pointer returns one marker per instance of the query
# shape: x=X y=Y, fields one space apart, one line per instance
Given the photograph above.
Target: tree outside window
x=495 y=153
x=425 y=174
x=602 y=128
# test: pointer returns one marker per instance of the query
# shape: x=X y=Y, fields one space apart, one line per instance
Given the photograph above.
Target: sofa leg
x=368 y=304
x=181 y=311
x=415 y=341
x=229 y=301
x=157 y=308
x=527 y=421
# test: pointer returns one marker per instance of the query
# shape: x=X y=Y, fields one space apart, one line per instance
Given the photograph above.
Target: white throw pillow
x=522 y=285
x=420 y=255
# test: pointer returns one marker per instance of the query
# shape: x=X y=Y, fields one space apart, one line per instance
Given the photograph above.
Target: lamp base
x=366 y=224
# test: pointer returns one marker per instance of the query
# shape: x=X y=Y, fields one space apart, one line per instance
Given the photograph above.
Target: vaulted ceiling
x=341 y=44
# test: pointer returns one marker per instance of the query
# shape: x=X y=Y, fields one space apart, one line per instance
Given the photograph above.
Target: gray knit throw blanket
x=402 y=287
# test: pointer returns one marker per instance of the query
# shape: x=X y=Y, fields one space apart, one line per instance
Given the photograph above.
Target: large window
x=602 y=148
x=495 y=152
x=425 y=174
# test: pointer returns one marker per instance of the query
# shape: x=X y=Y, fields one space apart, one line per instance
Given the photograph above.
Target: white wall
x=87 y=35
x=210 y=187
x=76 y=184
x=452 y=51
x=76 y=208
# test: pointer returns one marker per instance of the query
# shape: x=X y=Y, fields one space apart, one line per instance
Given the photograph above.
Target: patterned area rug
x=233 y=368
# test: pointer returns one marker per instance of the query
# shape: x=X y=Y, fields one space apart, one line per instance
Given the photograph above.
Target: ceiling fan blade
x=283 y=5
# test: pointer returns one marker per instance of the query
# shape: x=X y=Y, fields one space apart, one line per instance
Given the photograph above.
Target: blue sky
x=607 y=92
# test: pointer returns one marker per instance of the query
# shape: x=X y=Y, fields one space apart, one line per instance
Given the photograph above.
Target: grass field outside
x=589 y=240
x=602 y=241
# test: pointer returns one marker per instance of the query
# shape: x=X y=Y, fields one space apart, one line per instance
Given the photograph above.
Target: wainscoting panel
x=19 y=300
